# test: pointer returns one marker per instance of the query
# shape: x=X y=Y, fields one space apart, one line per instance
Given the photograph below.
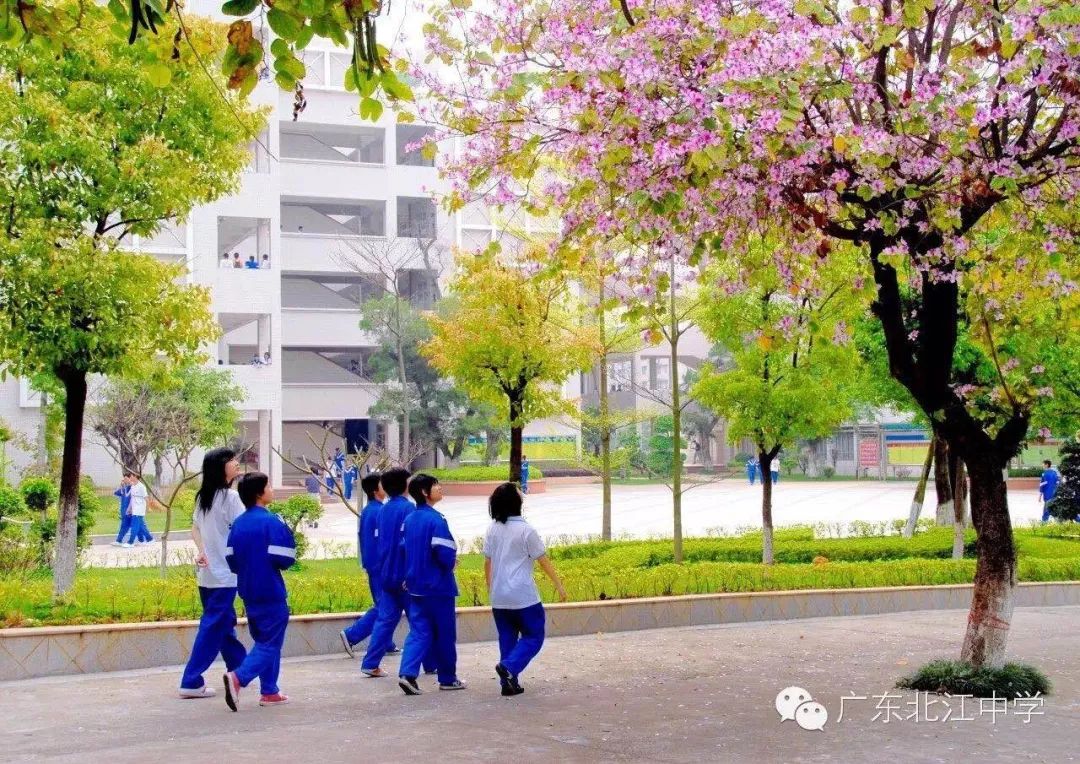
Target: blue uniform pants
x=267 y=626
x=364 y=626
x=217 y=634
x=432 y=632
x=521 y=635
x=775 y=477
x=137 y=530
x=751 y=473
x=125 y=526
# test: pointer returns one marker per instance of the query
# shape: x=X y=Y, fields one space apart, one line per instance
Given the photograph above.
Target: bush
x=479 y=474
x=1013 y=680
x=297 y=509
x=11 y=501
x=39 y=493
x=828 y=472
x=1027 y=472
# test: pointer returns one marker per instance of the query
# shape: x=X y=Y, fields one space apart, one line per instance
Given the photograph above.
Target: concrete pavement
x=702 y=694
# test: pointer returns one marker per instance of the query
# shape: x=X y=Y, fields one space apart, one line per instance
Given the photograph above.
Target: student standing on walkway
x=430 y=559
x=216 y=508
x=260 y=546
x=1048 y=487
x=370 y=560
x=138 y=498
x=524 y=474
x=510 y=549
x=751 y=469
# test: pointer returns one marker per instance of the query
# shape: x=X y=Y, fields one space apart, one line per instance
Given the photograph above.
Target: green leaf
x=279 y=48
x=160 y=75
x=860 y=14
x=285 y=80
x=370 y=109
x=284 y=24
x=395 y=88
x=291 y=65
x=239 y=7
x=304 y=37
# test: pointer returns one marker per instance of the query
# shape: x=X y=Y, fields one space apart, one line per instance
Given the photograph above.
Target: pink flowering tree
x=934 y=136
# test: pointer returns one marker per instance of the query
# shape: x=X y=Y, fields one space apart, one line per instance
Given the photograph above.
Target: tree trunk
x=676 y=431
x=43 y=434
x=491 y=446
x=995 y=572
x=516 y=428
x=165 y=539
x=605 y=427
x=943 y=483
x=67 y=524
x=765 y=460
x=959 y=507
x=406 y=425
x=920 y=492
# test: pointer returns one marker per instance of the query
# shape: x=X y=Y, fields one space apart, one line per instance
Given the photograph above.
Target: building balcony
x=322 y=253
x=259 y=383
x=320 y=401
x=244 y=290
x=323 y=328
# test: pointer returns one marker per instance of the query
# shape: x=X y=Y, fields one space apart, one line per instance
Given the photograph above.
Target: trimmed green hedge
x=479 y=474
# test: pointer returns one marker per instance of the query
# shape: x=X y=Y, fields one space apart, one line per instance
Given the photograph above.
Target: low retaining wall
x=58 y=650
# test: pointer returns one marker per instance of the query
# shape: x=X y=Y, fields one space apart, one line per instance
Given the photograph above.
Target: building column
x=263 y=339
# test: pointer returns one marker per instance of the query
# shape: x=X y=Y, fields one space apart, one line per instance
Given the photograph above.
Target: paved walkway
x=572 y=512
x=680 y=695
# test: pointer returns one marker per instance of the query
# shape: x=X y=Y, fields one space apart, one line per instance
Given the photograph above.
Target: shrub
x=295 y=510
x=11 y=501
x=18 y=553
x=479 y=474
x=828 y=472
x=39 y=493
x=1013 y=680
x=1027 y=472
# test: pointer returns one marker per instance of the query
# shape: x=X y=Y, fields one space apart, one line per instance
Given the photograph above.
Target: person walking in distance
x=216 y=508
x=123 y=494
x=1048 y=487
x=138 y=532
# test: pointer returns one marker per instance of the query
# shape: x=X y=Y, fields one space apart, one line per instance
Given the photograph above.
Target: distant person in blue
x=123 y=493
x=370 y=560
x=313 y=482
x=1048 y=487
x=393 y=600
x=751 y=469
x=216 y=507
x=511 y=546
x=524 y=474
x=260 y=547
x=430 y=559
x=351 y=476
x=339 y=462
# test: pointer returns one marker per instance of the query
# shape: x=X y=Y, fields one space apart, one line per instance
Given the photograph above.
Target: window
x=260 y=157
x=339 y=64
x=338 y=292
x=661 y=376
x=407 y=135
x=248 y=237
x=416 y=217
x=330 y=218
x=475 y=241
x=332 y=143
x=619 y=376
x=420 y=287
x=315 y=63
x=845 y=446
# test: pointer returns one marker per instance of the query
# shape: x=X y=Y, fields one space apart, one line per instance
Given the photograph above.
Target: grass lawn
x=107 y=521
x=603 y=570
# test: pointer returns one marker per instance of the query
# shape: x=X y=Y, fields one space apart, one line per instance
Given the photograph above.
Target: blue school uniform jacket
x=430 y=552
x=260 y=546
x=369 y=536
x=391 y=557
x=124 y=494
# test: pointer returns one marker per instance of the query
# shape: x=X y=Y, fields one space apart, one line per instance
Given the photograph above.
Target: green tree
x=510 y=339
x=792 y=374
x=95 y=147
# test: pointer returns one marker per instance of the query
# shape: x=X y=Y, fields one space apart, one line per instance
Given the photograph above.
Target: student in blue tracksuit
x=350 y=478
x=1048 y=487
x=751 y=470
x=430 y=559
x=524 y=474
x=393 y=601
x=370 y=560
x=260 y=547
x=123 y=493
x=511 y=546
x=216 y=507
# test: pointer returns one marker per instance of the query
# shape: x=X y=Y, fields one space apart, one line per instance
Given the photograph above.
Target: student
x=123 y=493
x=350 y=478
x=260 y=546
x=430 y=559
x=369 y=559
x=511 y=546
x=751 y=470
x=237 y=262
x=265 y=264
x=225 y=262
x=1048 y=487
x=313 y=482
x=339 y=462
x=266 y=358
x=216 y=507
x=138 y=532
x=524 y=474
x=774 y=470
x=252 y=263
x=393 y=601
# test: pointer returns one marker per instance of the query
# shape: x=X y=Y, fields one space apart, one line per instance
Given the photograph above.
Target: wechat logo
x=795 y=703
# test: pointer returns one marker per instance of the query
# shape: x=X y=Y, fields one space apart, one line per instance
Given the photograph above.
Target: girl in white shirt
x=510 y=549
x=216 y=507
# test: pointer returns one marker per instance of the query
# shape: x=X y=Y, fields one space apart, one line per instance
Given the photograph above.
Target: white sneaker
x=115 y=543
x=127 y=546
x=201 y=692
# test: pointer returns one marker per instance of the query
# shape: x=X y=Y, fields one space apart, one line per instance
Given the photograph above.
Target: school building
x=343 y=209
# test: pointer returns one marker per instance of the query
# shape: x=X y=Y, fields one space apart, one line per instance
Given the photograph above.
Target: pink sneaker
x=232 y=691
x=277 y=699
